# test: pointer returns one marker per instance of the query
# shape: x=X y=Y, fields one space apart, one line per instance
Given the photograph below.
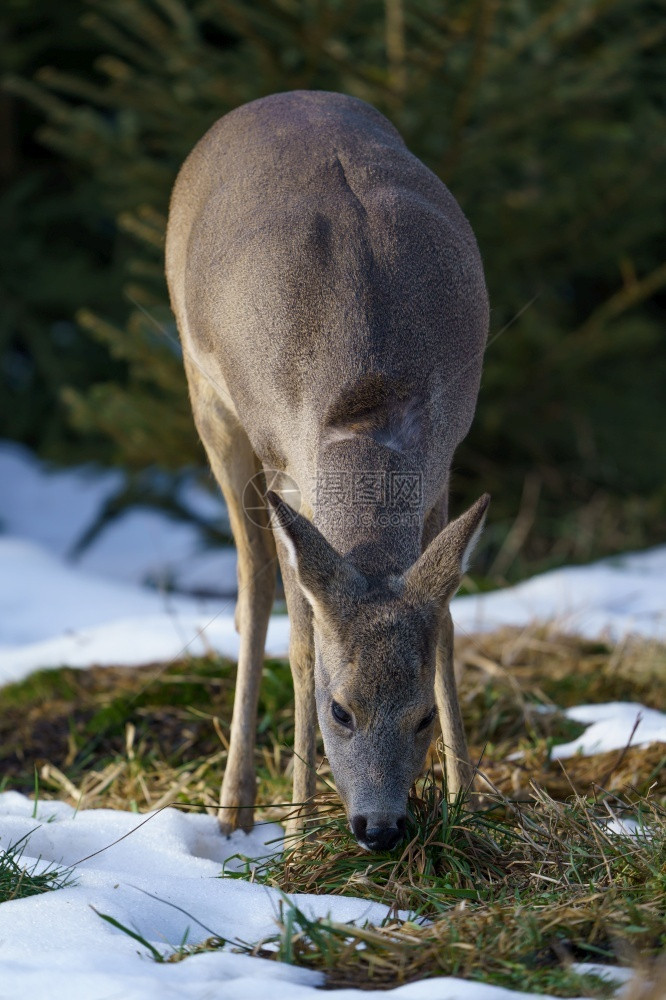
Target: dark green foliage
x=547 y=122
x=56 y=247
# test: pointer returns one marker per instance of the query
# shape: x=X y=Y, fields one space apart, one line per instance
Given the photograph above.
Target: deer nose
x=378 y=838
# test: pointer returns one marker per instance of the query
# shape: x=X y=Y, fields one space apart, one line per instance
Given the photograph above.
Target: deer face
x=374 y=685
x=375 y=645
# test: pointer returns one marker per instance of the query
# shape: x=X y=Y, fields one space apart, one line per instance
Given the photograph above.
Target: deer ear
x=436 y=574
x=327 y=579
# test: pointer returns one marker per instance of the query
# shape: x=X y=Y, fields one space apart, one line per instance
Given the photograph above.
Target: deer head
x=375 y=642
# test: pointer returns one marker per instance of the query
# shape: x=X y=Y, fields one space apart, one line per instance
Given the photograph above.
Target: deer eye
x=340 y=715
x=424 y=723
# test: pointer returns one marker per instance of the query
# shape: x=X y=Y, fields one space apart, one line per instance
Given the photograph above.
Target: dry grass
x=511 y=894
x=509 y=676
x=139 y=737
x=512 y=891
x=145 y=736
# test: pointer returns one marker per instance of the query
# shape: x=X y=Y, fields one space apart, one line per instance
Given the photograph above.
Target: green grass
x=19 y=880
x=454 y=854
x=500 y=894
x=128 y=737
x=510 y=892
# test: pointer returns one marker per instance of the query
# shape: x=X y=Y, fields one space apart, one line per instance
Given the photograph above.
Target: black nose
x=359 y=825
x=378 y=838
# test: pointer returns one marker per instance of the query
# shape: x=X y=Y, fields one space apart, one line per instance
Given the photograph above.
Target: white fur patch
x=334 y=434
x=285 y=539
x=292 y=555
x=472 y=543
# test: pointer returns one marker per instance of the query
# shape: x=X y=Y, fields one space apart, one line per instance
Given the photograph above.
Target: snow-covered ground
x=161 y=880
x=616 y=597
x=54 y=508
x=612 y=726
x=97 y=609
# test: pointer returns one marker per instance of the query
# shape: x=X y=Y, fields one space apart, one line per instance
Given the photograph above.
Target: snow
x=96 y=609
x=53 y=613
x=615 y=975
x=161 y=880
x=624 y=595
x=611 y=727
x=158 y=874
x=55 y=508
x=626 y=827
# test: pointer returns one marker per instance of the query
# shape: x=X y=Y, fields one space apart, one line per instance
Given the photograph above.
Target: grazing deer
x=333 y=313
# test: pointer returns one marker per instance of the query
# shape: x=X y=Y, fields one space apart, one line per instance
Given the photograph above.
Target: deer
x=332 y=309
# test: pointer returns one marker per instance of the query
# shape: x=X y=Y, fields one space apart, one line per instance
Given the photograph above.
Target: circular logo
x=254 y=494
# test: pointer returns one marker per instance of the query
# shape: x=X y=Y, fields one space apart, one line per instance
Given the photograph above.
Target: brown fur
x=332 y=308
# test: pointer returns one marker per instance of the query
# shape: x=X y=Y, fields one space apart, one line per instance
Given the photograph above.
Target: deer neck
x=368 y=503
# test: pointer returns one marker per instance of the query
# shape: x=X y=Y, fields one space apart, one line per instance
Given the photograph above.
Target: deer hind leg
x=234 y=463
x=301 y=660
x=459 y=771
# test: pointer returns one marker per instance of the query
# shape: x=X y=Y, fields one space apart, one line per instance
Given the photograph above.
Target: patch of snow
x=161 y=880
x=51 y=508
x=146 y=546
x=41 y=596
x=626 y=827
x=615 y=974
x=52 y=614
x=612 y=598
x=143 y=545
x=610 y=728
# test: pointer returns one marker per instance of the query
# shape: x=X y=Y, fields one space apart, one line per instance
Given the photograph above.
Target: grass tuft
x=19 y=880
x=451 y=853
x=510 y=895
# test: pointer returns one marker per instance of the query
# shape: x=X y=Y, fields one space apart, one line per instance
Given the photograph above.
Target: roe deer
x=332 y=307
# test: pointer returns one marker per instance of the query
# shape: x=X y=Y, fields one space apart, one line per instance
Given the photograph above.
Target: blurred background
x=545 y=120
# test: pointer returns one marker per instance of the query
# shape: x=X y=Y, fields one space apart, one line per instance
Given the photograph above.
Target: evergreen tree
x=547 y=123
x=55 y=243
